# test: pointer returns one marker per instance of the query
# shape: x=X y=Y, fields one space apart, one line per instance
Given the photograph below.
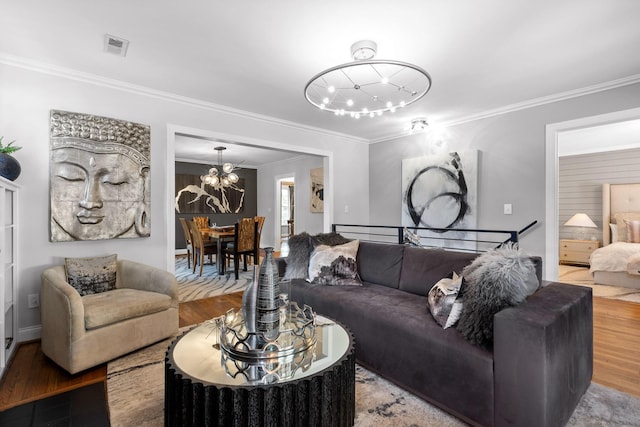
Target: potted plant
x=9 y=166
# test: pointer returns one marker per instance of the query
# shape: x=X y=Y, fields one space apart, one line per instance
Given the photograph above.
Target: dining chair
x=188 y=239
x=245 y=242
x=202 y=221
x=260 y=221
x=200 y=247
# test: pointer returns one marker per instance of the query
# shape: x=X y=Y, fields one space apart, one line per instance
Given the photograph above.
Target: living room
x=486 y=93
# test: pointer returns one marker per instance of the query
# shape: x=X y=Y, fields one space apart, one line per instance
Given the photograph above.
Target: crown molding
x=588 y=90
x=80 y=76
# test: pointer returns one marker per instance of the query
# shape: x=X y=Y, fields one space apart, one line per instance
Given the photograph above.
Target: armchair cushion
x=91 y=275
x=106 y=308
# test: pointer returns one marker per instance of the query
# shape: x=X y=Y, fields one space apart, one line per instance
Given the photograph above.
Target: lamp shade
x=580 y=220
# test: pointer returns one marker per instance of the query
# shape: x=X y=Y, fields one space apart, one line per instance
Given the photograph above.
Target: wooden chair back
x=196 y=236
x=202 y=221
x=260 y=221
x=246 y=237
x=186 y=231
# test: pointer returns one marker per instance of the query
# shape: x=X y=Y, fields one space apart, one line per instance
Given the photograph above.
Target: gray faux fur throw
x=497 y=279
x=300 y=248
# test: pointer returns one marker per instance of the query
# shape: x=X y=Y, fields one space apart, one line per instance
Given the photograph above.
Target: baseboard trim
x=30 y=333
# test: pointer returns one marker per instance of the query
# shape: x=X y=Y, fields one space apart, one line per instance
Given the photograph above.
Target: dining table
x=220 y=235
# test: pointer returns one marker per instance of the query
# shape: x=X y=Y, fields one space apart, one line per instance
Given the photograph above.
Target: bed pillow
x=633 y=230
x=497 y=279
x=623 y=236
x=614 y=232
x=335 y=265
x=445 y=300
x=91 y=275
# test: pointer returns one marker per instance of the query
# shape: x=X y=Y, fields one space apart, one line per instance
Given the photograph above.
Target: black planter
x=9 y=167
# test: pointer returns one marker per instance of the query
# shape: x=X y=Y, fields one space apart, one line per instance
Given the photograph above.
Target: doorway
x=553 y=132
x=287 y=205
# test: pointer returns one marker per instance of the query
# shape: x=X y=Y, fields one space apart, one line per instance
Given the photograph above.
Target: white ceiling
x=256 y=56
x=614 y=136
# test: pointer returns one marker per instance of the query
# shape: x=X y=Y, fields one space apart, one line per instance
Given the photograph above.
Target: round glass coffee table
x=315 y=387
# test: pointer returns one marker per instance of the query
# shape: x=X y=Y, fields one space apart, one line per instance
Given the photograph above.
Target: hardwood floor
x=616 y=344
x=616 y=325
x=32 y=376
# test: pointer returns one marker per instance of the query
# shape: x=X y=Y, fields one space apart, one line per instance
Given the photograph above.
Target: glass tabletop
x=198 y=355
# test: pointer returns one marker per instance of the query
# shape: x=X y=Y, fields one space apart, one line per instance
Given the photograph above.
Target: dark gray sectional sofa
x=542 y=358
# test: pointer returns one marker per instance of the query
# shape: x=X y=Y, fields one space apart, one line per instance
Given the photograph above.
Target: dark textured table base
x=325 y=399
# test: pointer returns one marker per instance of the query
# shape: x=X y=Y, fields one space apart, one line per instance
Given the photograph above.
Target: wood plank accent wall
x=580 y=180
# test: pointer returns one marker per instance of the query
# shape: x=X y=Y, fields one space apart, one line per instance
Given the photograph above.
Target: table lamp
x=582 y=221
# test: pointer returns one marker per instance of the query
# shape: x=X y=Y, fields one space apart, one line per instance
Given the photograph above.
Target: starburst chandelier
x=221 y=175
x=367 y=87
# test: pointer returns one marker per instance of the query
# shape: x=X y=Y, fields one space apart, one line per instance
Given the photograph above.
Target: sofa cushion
x=106 y=308
x=334 y=265
x=423 y=268
x=380 y=263
x=91 y=275
x=394 y=332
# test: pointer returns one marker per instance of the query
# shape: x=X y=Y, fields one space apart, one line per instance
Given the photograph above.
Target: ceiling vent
x=115 y=45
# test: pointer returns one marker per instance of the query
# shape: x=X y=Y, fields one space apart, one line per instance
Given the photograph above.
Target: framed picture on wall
x=317 y=190
x=193 y=196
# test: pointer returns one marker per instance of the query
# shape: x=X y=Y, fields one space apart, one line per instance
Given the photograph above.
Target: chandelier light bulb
x=367 y=84
x=222 y=174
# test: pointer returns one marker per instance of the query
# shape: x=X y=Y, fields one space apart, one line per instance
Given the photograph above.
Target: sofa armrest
x=134 y=275
x=61 y=309
x=543 y=356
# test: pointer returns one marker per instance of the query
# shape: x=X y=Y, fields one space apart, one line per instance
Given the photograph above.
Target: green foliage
x=9 y=148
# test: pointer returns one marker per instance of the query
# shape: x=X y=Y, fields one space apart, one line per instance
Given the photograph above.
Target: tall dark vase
x=9 y=167
x=267 y=300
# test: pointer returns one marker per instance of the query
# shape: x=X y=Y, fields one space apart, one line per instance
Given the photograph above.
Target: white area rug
x=575 y=275
x=135 y=390
x=210 y=284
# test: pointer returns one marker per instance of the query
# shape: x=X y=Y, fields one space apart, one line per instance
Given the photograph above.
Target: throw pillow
x=298 y=258
x=445 y=301
x=91 y=275
x=633 y=231
x=335 y=265
x=300 y=248
x=497 y=279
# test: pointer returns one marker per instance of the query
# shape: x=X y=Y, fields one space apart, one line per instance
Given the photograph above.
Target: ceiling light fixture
x=367 y=86
x=418 y=125
x=221 y=175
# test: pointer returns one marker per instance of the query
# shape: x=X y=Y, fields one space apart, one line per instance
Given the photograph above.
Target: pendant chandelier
x=222 y=175
x=367 y=86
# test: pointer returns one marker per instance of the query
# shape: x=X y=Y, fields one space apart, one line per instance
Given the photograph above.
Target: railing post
x=400 y=235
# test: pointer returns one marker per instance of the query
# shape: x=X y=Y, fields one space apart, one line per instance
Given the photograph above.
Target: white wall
x=511 y=162
x=305 y=220
x=27 y=96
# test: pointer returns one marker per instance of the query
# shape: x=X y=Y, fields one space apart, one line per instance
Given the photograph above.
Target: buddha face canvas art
x=99 y=178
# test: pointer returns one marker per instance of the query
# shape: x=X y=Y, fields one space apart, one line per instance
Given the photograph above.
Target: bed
x=617 y=262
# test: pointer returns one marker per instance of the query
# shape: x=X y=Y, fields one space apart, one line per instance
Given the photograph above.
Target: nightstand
x=577 y=251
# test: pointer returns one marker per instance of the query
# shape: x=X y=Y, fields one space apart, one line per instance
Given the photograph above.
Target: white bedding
x=613 y=257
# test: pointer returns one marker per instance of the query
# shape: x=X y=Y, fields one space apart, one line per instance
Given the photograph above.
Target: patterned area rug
x=210 y=284
x=135 y=389
x=575 y=275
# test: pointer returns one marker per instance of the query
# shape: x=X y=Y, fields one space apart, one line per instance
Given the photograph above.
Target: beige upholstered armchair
x=79 y=332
